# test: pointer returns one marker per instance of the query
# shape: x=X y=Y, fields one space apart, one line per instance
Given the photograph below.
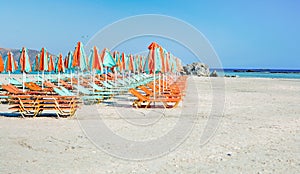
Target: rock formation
x=196 y=68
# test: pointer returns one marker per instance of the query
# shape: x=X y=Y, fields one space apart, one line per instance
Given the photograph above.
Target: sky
x=244 y=34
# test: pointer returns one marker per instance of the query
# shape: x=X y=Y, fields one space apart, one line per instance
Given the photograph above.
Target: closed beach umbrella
x=131 y=63
x=25 y=66
x=107 y=58
x=50 y=64
x=43 y=63
x=1 y=64
x=35 y=64
x=79 y=57
x=94 y=61
x=68 y=64
x=79 y=60
x=123 y=63
x=151 y=64
x=10 y=64
x=59 y=66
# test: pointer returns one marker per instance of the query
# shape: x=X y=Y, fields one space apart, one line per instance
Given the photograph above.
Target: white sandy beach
x=258 y=133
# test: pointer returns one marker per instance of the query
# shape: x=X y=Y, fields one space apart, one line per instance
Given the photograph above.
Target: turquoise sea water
x=259 y=73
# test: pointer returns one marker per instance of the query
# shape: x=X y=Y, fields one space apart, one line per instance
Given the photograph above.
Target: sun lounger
x=141 y=99
x=33 y=105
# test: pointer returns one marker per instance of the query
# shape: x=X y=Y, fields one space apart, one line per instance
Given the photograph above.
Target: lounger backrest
x=66 y=91
x=137 y=94
x=146 y=90
x=106 y=84
x=60 y=92
x=84 y=90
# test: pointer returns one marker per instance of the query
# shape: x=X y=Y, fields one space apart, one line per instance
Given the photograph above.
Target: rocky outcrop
x=214 y=74
x=197 y=68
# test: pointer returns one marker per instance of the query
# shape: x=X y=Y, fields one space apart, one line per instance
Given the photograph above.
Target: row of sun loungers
x=63 y=96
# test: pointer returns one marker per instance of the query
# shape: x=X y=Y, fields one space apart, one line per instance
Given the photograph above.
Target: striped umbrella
x=10 y=64
x=107 y=58
x=68 y=64
x=50 y=64
x=94 y=61
x=43 y=63
x=59 y=66
x=25 y=66
x=79 y=60
x=79 y=57
x=1 y=64
x=131 y=67
x=152 y=63
x=117 y=58
x=123 y=63
x=141 y=64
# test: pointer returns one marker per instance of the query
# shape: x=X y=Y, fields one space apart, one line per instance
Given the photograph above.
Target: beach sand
x=258 y=133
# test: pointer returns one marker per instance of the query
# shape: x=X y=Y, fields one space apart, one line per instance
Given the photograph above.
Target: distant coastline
x=259 y=73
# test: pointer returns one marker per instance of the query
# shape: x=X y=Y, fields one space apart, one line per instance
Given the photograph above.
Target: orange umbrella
x=43 y=60
x=123 y=63
x=50 y=64
x=10 y=63
x=24 y=64
x=1 y=64
x=131 y=63
x=59 y=66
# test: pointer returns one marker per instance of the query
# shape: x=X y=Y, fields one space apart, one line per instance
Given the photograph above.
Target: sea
x=259 y=73
x=248 y=73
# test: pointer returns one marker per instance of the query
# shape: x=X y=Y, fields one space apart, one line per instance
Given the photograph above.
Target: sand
x=259 y=132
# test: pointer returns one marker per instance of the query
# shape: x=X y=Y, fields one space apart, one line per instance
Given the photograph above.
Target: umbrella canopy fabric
x=1 y=64
x=131 y=63
x=141 y=64
x=59 y=65
x=153 y=62
x=24 y=61
x=94 y=60
x=118 y=60
x=35 y=64
x=123 y=66
x=107 y=58
x=50 y=64
x=43 y=60
x=69 y=60
x=79 y=57
x=10 y=64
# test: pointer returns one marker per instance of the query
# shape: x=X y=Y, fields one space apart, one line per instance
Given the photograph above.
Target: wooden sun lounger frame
x=31 y=106
x=141 y=99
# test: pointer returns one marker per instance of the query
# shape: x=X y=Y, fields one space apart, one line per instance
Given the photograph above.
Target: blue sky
x=245 y=34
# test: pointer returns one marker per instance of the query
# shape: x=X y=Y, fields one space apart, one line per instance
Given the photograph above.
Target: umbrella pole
x=163 y=81
x=78 y=81
x=71 y=76
x=105 y=74
x=8 y=76
x=24 y=76
x=38 y=76
x=93 y=74
x=154 y=88
x=58 y=79
x=43 y=79
x=159 y=83
x=116 y=76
